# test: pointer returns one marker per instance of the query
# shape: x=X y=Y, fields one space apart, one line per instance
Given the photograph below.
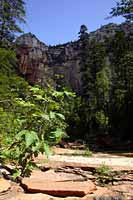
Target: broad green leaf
x=16 y=174
x=57 y=135
x=45 y=116
x=35 y=89
x=39 y=97
x=52 y=115
x=69 y=94
x=31 y=138
x=60 y=116
x=21 y=134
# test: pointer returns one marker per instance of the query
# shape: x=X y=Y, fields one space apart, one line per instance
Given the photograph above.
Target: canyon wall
x=58 y=65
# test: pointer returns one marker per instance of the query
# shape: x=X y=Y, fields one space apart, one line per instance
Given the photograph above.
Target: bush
x=32 y=118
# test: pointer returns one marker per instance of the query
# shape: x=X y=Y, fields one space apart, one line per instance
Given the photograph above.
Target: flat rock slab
x=125 y=189
x=60 y=189
x=96 y=161
x=33 y=197
x=104 y=194
x=115 y=162
x=40 y=197
x=4 y=185
x=51 y=175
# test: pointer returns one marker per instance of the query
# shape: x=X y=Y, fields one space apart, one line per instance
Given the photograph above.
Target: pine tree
x=12 y=13
x=122 y=87
x=95 y=83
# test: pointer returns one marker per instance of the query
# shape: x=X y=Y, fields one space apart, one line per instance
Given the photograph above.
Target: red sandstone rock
x=103 y=192
x=58 y=184
x=33 y=197
x=40 y=196
x=125 y=189
x=4 y=185
x=59 y=188
x=51 y=175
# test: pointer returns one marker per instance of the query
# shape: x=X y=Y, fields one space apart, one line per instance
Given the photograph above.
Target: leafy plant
x=7 y=61
x=32 y=119
x=103 y=170
x=87 y=153
x=104 y=174
x=37 y=121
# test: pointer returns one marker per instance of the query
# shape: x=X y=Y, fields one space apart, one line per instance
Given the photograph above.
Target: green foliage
x=32 y=118
x=103 y=85
x=96 y=80
x=37 y=121
x=101 y=118
x=121 y=104
x=103 y=82
x=87 y=153
x=74 y=116
x=12 y=13
x=103 y=170
x=83 y=35
x=123 y=8
x=107 y=82
x=7 y=61
x=105 y=174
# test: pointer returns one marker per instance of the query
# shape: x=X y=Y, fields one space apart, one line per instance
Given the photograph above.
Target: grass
x=87 y=153
x=103 y=170
x=104 y=175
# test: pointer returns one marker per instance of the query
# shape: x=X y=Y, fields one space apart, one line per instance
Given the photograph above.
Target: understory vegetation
x=33 y=118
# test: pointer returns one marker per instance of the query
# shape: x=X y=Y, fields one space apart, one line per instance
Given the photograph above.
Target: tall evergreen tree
x=95 y=83
x=122 y=89
x=12 y=13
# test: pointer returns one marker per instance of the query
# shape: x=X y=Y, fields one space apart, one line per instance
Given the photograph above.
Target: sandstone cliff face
x=59 y=64
x=65 y=62
x=41 y=64
x=33 y=59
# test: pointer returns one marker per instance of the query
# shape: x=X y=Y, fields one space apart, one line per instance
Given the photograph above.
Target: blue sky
x=58 y=21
